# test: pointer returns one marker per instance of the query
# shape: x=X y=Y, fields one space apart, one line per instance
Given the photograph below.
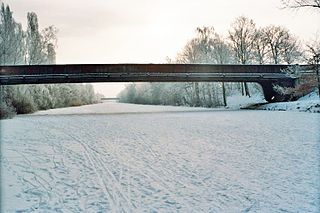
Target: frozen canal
x=131 y=158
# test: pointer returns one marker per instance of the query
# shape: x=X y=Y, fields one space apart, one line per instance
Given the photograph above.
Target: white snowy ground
x=206 y=161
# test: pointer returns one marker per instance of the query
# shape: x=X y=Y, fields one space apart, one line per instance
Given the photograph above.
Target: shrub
x=6 y=110
x=24 y=105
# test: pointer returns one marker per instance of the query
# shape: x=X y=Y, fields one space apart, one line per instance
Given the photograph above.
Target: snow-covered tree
x=40 y=45
x=207 y=47
x=35 y=54
x=12 y=46
x=222 y=54
x=51 y=54
x=49 y=43
x=33 y=47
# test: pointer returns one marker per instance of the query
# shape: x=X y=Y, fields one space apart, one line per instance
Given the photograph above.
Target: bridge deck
x=265 y=75
x=39 y=74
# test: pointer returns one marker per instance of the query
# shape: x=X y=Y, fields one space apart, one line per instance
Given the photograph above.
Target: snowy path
x=173 y=161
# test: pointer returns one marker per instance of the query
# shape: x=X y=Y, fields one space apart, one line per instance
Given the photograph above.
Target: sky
x=148 y=31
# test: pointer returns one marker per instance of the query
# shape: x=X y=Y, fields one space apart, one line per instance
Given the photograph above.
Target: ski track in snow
x=205 y=161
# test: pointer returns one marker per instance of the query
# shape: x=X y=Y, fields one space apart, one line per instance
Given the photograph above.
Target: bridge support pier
x=271 y=95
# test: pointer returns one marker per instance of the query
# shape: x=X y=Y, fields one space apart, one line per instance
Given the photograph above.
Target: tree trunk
x=242 y=89
x=246 y=89
x=210 y=95
x=196 y=90
x=224 y=94
x=318 y=76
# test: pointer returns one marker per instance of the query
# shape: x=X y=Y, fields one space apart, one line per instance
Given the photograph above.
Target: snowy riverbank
x=308 y=103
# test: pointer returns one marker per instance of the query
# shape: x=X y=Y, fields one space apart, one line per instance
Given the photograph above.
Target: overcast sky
x=147 y=31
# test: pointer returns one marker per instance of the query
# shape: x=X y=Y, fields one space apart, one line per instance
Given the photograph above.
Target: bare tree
x=275 y=37
x=283 y=47
x=313 y=50
x=313 y=57
x=242 y=36
x=292 y=51
x=296 y=4
x=260 y=47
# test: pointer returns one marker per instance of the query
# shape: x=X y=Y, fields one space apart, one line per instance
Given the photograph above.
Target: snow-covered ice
x=173 y=161
x=112 y=107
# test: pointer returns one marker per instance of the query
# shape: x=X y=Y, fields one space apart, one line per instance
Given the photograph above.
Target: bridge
x=265 y=75
x=109 y=99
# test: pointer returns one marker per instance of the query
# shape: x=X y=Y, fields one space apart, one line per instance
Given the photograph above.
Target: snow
x=112 y=107
x=114 y=157
x=239 y=101
x=308 y=103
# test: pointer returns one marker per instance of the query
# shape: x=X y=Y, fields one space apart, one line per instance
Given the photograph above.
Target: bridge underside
x=265 y=75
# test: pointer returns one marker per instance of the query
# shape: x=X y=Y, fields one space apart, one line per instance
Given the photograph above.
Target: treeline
x=34 y=46
x=245 y=44
x=182 y=94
